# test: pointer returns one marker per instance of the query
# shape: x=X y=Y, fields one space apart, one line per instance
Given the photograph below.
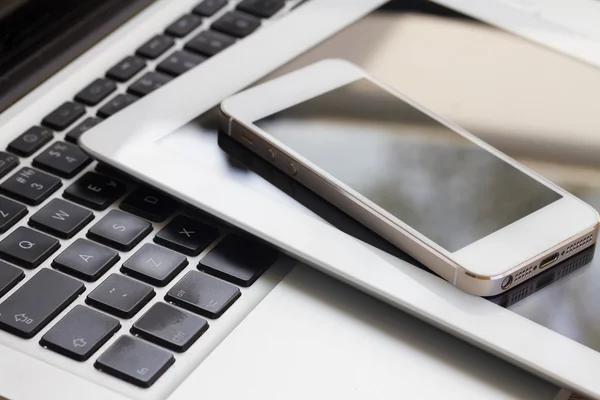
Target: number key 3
x=30 y=186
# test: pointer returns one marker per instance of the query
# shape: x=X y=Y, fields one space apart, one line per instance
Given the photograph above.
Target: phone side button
x=247 y=140
x=292 y=169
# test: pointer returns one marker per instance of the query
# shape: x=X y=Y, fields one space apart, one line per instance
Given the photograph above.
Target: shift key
x=28 y=310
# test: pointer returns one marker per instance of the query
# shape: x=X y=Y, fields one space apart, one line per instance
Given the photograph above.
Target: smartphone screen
x=428 y=176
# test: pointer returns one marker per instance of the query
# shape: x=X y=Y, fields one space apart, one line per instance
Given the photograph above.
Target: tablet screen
x=537 y=105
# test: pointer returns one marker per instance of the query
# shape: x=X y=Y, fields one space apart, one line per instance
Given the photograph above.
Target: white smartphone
x=470 y=213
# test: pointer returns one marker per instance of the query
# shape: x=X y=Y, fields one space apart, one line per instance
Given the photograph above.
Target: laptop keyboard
x=143 y=242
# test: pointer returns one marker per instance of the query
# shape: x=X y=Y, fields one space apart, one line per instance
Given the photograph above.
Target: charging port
x=548 y=260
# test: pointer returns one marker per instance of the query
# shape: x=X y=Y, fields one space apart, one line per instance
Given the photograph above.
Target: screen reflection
x=564 y=298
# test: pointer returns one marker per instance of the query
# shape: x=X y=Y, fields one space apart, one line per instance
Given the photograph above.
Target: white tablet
x=169 y=140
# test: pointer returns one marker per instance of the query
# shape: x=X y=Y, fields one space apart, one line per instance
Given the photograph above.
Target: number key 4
x=62 y=159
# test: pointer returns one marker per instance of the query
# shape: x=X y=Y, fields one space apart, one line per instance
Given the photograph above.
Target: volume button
x=293 y=170
x=246 y=139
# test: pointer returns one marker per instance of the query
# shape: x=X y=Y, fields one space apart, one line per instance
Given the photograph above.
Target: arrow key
x=80 y=333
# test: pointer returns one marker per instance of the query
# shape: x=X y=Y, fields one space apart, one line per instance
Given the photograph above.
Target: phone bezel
x=503 y=250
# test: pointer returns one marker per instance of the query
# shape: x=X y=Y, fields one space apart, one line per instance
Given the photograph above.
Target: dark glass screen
x=425 y=174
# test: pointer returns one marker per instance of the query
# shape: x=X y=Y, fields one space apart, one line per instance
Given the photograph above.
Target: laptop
x=110 y=289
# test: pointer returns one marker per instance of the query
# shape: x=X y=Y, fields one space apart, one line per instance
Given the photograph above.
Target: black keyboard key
x=120 y=296
x=61 y=218
x=96 y=91
x=126 y=68
x=31 y=141
x=27 y=248
x=261 y=8
x=135 y=361
x=209 y=43
x=208 y=8
x=120 y=230
x=239 y=260
x=186 y=235
x=74 y=134
x=30 y=186
x=117 y=103
x=149 y=204
x=149 y=83
x=170 y=327
x=236 y=24
x=95 y=191
x=9 y=277
x=8 y=162
x=86 y=260
x=184 y=25
x=28 y=310
x=154 y=264
x=80 y=333
x=62 y=159
x=179 y=63
x=63 y=116
x=155 y=47
x=111 y=171
x=203 y=294
x=10 y=213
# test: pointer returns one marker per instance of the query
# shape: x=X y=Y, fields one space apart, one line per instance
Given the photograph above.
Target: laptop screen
x=38 y=37
x=28 y=25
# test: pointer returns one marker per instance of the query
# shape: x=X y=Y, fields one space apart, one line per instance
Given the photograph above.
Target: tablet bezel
x=128 y=141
